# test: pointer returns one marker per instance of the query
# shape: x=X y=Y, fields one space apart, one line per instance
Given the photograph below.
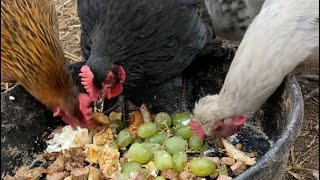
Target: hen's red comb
x=85 y=108
x=197 y=129
x=87 y=82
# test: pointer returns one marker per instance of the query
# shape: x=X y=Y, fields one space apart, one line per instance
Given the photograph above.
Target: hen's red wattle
x=197 y=129
x=85 y=108
x=87 y=82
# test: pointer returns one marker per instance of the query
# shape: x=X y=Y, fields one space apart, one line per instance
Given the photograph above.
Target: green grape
x=143 y=171
x=146 y=130
x=195 y=143
x=176 y=144
x=137 y=140
x=130 y=167
x=158 y=138
x=118 y=124
x=162 y=120
x=114 y=145
x=124 y=138
x=139 y=153
x=163 y=160
x=223 y=170
x=181 y=119
x=123 y=176
x=153 y=147
x=159 y=178
x=202 y=167
x=179 y=161
x=184 y=132
x=205 y=146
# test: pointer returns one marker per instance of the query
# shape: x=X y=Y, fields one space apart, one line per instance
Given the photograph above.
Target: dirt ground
x=304 y=159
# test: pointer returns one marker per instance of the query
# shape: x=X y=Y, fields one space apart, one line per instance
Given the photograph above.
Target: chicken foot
x=124 y=106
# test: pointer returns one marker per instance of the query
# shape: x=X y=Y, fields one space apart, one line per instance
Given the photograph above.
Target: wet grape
x=158 y=138
x=139 y=153
x=195 y=143
x=124 y=138
x=184 y=132
x=179 y=161
x=162 y=120
x=202 y=167
x=146 y=130
x=176 y=144
x=163 y=160
x=182 y=118
x=130 y=167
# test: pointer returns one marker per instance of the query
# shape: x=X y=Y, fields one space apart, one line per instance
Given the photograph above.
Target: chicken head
x=111 y=86
x=211 y=121
x=75 y=112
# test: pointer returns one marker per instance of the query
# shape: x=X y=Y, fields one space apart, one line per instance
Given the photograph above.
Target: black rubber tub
x=25 y=123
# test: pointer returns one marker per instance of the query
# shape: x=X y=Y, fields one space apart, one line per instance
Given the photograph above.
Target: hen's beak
x=98 y=105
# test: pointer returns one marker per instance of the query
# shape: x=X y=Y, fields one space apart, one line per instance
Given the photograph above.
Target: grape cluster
x=164 y=144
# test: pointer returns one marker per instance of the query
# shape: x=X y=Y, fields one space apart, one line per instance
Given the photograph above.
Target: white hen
x=284 y=34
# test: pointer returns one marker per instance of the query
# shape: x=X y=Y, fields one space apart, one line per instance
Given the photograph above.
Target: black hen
x=139 y=43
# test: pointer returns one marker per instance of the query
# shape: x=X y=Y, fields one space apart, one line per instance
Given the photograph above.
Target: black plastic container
x=25 y=123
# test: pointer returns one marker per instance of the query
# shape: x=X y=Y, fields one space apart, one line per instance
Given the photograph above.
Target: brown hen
x=32 y=56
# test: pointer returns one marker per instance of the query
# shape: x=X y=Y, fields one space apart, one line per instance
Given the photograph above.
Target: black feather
x=154 y=40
